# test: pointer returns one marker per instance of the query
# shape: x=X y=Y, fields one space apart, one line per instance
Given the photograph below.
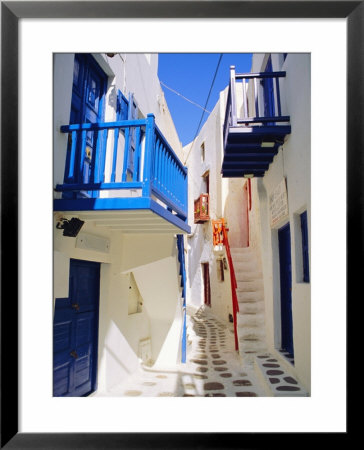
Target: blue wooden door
x=75 y=330
x=87 y=106
x=284 y=239
x=268 y=89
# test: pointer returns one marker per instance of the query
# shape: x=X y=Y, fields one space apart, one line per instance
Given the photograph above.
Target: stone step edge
x=290 y=386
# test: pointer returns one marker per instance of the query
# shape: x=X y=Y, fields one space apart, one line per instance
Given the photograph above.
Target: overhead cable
x=185 y=98
x=208 y=97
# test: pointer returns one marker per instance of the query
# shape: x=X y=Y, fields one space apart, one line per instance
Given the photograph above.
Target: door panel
x=89 y=87
x=75 y=332
x=284 y=238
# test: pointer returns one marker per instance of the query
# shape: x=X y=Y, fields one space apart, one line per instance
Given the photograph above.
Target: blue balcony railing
x=139 y=159
x=254 y=126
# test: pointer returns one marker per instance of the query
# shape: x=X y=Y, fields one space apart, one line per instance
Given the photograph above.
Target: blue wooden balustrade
x=182 y=272
x=155 y=170
x=253 y=133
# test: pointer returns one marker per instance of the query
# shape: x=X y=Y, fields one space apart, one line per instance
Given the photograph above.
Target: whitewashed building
x=124 y=207
x=120 y=209
x=252 y=159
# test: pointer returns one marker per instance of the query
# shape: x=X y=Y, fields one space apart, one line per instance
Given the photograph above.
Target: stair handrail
x=220 y=236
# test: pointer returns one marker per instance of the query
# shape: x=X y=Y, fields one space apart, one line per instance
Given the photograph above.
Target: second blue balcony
x=254 y=126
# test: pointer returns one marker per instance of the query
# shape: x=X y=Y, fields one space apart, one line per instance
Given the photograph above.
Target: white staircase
x=250 y=293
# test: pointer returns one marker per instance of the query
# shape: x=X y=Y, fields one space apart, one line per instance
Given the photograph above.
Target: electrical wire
x=185 y=98
x=208 y=97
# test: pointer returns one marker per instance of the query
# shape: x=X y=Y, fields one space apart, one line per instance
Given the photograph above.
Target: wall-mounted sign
x=91 y=242
x=278 y=204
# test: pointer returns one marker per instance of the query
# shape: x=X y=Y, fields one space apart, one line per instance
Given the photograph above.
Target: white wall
x=153 y=261
x=293 y=163
x=151 y=258
x=200 y=245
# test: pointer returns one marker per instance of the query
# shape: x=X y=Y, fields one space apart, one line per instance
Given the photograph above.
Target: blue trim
x=180 y=212
x=285 y=269
x=305 y=248
x=98 y=186
x=172 y=218
x=101 y=204
x=149 y=155
x=249 y=75
x=182 y=271
x=103 y=125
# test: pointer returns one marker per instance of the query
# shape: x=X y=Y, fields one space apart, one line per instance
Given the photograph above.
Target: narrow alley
x=213 y=369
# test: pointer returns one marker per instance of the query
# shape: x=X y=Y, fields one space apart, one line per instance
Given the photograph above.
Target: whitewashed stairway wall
x=250 y=293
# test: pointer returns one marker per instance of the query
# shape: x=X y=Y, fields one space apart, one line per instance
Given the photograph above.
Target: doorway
x=75 y=332
x=285 y=270
x=206 y=283
x=87 y=106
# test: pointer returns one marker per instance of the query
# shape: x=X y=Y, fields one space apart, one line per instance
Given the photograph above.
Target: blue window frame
x=305 y=254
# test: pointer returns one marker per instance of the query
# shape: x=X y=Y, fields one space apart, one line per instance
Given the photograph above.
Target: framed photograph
x=36 y=38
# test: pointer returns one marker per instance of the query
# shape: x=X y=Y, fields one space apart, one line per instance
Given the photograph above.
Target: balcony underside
x=128 y=215
x=249 y=150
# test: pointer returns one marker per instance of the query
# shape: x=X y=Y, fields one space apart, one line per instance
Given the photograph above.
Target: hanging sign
x=278 y=204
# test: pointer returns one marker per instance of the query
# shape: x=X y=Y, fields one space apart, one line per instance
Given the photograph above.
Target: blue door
x=284 y=239
x=268 y=89
x=75 y=331
x=87 y=106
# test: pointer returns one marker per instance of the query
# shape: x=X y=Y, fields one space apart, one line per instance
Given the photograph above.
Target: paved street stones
x=213 y=386
x=211 y=356
x=242 y=383
x=245 y=394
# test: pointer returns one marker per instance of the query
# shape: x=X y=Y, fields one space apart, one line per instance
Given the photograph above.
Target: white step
x=251 y=307
x=250 y=320
x=248 y=275
x=240 y=250
x=251 y=346
x=256 y=333
x=248 y=297
x=250 y=286
x=245 y=266
x=246 y=258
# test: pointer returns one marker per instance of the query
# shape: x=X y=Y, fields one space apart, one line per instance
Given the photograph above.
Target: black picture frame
x=11 y=12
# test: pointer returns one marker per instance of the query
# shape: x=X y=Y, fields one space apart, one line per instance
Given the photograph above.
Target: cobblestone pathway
x=213 y=368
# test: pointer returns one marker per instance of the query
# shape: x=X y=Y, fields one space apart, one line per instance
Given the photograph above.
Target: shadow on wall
x=119 y=333
x=158 y=283
x=195 y=251
x=236 y=213
x=160 y=319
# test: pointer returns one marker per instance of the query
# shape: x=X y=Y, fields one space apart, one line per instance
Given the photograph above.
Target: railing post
x=278 y=97
x=256 y=96
x=245 y=106
x=72 y=160
x=148 y=155
x=233 y=96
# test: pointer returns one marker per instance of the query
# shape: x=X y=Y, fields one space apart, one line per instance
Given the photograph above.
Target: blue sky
x=191 y=75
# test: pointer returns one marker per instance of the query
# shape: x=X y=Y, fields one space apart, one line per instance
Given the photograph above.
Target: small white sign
x=278 y=204
x=91 y=242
